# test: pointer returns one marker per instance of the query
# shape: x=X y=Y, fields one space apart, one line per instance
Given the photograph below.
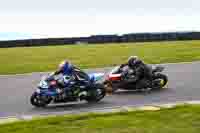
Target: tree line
x=95 y=39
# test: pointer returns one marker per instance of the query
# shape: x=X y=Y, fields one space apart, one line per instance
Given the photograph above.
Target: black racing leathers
x=142 y=74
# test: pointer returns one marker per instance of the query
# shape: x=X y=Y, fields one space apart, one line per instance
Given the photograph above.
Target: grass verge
x=181 y=119
x=46 y=58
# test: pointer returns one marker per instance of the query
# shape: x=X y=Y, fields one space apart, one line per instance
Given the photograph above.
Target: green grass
x=182 y=119
x=46 y=58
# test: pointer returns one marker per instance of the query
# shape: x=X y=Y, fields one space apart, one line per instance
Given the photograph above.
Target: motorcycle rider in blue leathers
x=65 y=67
x=68 y=70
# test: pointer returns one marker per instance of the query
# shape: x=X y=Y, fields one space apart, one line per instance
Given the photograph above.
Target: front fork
x=109 y=87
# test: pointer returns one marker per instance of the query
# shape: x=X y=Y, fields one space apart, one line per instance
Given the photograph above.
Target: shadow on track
x=131 y=92
x=107 y=102
x=72 y=106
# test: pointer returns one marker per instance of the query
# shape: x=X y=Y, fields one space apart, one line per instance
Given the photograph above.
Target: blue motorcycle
x=75 y=88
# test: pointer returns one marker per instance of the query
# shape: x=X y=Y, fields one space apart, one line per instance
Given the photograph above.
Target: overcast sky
x=65 y=18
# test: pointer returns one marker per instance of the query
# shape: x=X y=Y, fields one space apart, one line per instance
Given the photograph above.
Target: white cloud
x=82 y=18
x=60 y=26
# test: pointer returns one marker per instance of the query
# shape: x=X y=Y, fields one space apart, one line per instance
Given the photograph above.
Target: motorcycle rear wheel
x=98 y=93
x=162 y=79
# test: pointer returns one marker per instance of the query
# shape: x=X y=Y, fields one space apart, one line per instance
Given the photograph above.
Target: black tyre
x=97 y=93
x=38 y=101
x=159 y=81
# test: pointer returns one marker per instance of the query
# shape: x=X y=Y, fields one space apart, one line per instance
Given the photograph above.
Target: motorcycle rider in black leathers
x=142 y=73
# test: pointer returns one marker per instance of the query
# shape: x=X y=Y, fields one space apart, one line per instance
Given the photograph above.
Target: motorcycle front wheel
x=38 y=101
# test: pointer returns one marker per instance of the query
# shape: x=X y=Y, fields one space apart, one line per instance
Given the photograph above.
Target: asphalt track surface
x=184 y=85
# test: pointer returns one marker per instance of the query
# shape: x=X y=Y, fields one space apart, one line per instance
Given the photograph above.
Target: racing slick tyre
x=159 y=81
x=97 y=93
x=38 y=101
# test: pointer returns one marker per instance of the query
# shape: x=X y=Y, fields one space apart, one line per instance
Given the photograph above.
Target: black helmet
x=132 y=60
x=138 y=62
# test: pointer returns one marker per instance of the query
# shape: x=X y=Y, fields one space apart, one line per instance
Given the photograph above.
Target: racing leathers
x=70 y=73
x=142 y=74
